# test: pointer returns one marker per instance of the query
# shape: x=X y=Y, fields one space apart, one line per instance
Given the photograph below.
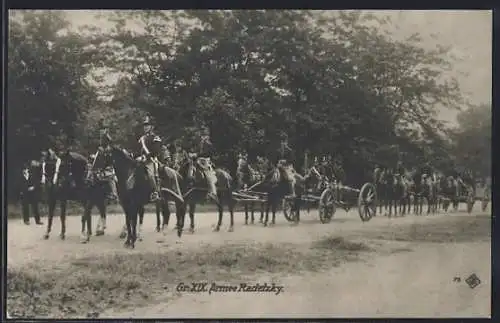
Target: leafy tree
x=47 y=86
x=472 y=139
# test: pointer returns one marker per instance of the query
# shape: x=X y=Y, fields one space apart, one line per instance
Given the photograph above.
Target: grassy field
x=87 y=286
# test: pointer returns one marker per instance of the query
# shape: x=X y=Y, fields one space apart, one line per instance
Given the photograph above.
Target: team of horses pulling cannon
x=188 y=185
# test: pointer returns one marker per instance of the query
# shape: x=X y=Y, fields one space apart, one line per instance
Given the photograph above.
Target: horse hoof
x=216 y=229
x=157 y=229
x=62 y=236
x=264 y=224
x=191 y=230
x=85 y=240
x=231 y=229
x=123 y=235
x=46 y=236
x=246 y=223
x=99 y=233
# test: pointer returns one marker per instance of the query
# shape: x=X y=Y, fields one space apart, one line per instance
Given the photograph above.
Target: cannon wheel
x=290 y=214
x=367 y=202
x=327 y=207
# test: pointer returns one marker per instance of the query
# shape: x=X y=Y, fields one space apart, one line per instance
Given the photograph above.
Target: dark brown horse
x=276 y=185
x=428 y=192
x=66 y=186
x=134 y=191
x=194 y=186
x=98 y=181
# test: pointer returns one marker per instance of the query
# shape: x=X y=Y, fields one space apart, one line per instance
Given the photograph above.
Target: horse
x=194 y=183
x=247 y=176
x=97 y=186
x=427 y=190
x=134 y=189
x=276 y=185
x=401 y=196
x=389 y=196
x=68 y=187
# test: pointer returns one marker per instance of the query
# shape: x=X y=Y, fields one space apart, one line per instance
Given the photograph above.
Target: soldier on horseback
x=205 y=151
x=286 y=155
x=105 y=172
x=150 y=145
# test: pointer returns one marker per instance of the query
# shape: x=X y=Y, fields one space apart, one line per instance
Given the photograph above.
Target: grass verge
x=86 y=286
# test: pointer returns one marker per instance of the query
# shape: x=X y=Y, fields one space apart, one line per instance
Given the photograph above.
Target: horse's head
x=122 y=160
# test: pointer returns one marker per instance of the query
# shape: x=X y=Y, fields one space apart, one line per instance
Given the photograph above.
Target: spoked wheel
x=367 y=202
x=327 y=207
x=288 y=211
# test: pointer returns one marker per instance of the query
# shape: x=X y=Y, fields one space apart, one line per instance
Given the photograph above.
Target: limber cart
x=334 y=196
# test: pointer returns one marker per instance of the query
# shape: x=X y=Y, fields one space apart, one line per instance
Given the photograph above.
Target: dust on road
x=401 y=278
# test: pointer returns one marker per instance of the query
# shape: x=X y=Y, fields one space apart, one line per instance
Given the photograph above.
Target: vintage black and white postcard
x=249 y=163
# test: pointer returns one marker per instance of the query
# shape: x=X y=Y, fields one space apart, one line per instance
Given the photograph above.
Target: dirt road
x=402 y=278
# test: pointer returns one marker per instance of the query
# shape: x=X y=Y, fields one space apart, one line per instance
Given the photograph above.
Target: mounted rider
x=285 y=157
x=105 y=172
x=150 y=146
x=204 y=162
x=400 y=171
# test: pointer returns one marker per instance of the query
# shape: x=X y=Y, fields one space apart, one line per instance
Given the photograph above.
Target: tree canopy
x=336 y=85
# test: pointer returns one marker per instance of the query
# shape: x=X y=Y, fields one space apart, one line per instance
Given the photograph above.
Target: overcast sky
x=469 y=32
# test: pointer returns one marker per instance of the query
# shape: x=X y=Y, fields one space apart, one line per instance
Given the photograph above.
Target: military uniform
x=286 y=154
x=102 y=166
x=205 y=150
x=150 y=145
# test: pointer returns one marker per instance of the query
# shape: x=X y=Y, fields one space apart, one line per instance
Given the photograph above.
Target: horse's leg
x=268 y=206
x=221 y=211
x=246 y=214
x=101 y=205
x=134 y=214
x=231 y=205
x=158 y=207
x=52 y=207
x=274 y=208
x=297 y=204
x=180 y=212
x=140 y=215
x=63 y=205
x=84 y=221
x=262 y=206
x=165 y=212
x=192 y=209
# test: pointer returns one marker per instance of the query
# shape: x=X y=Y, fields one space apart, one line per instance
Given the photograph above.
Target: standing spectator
x=30 y=191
